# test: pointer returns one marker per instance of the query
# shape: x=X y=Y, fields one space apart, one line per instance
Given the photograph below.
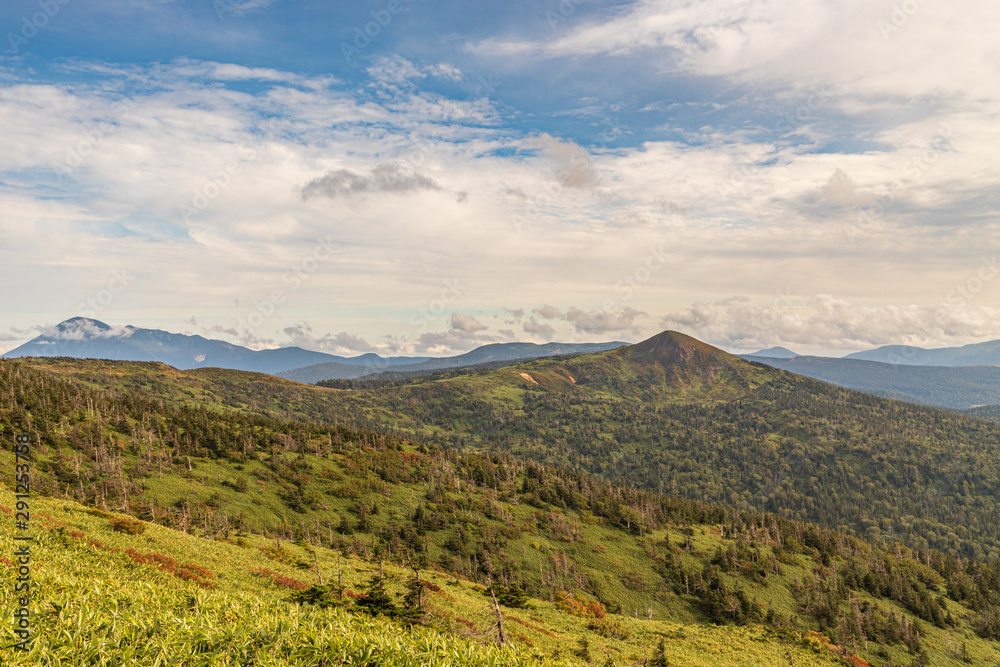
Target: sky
x=416 y=177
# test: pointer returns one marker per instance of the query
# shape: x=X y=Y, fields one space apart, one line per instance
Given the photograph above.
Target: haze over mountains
x=85 y=338
x=494 y=352
x=952 y=377
x=976 y=354
x=955 y=377
x=82 y=337
x=958 y=387
x=774 y=353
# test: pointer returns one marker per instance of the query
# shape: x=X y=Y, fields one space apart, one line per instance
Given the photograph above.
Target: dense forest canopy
x=481 y=514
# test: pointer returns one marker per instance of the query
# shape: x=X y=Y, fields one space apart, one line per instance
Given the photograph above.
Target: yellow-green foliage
x=93 y=604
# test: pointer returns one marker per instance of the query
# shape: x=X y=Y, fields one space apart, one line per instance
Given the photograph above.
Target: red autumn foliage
x=186 y=571
x=281 y=579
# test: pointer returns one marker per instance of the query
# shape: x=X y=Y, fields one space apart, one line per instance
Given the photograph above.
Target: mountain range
x=668 y=414
x=85 y=338
x=957 y=387
x=245 y=513
x=486 y=354
x=957 y=377
x=976 y=354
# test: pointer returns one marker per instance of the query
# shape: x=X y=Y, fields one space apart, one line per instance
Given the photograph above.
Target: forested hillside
x=678 y=416
x=596 y=551
x=670 y=414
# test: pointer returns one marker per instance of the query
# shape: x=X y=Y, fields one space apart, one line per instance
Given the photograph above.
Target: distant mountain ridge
x=777 y=352
x=957 y=387
x=976 y=354
x=85 y=338
x=481 y=355
x=669 y=413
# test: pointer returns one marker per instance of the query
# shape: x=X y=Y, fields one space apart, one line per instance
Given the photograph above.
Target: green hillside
x=675 y=415
x=165 y=598
x=701 y=577
x=670 y=414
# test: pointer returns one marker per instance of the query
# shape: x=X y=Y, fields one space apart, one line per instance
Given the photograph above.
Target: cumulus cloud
x=622 y=320
x=244 y=337
x=824 y=323
x=386 y=178
x=394 y=69
x=466 y=323
x=83 y=328
x=186 y=68
x=517 y=193
x=548 y=312
x=574 y=168
x=840 y=192
x=445 y=71
x=464 y=333
x=540 y=329
x=397 y=70
x=437 y=342
x=596 y=322
x=301 y=335
x=670 y=207
x=120 y=205
x=346 y=341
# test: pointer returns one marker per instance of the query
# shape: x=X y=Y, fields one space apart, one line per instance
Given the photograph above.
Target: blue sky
x=818 y=174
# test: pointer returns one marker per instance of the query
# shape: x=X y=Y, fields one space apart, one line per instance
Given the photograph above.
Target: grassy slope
x=686 y=419
x=94 y=605
x=211 y=483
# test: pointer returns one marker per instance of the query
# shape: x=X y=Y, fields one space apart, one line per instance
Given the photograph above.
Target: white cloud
x=828 y=325
x=237 y=8
x=466 y=323
x=622 y=320
x=540 y=329
x=385 y=178
x=301 y=335
x=396 y=70
x=186 y=69
x=729 y=207
x=597 y=321
x=574 y=168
